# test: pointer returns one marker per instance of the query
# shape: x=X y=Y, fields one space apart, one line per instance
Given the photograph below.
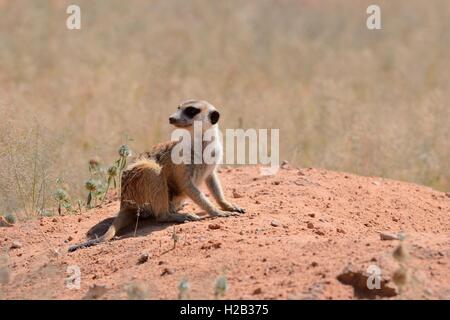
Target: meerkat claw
x=240 y=210
x=193 y=217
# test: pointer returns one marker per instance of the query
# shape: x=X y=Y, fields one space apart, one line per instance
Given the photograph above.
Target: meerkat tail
x=107 y=236
x=124 y=218
x=86 y=244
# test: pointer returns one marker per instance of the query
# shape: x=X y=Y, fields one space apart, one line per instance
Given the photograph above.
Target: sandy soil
x=307 y=234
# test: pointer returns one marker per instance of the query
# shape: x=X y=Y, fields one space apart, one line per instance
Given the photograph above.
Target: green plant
x=62 y=198
x=94 y=166
x=10 y=218
x=25 y=172
x=112 y=174
x=220 y=287
x=91 y=186
x=183 y=289
x=137 y=291
x=124 y=153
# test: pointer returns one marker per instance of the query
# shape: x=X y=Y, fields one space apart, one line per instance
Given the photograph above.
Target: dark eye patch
x=191 y=112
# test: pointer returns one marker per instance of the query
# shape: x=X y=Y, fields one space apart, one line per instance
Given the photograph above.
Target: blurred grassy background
x=344 y=97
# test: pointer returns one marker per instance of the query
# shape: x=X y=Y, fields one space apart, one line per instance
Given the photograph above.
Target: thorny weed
x=124 y=153
x=112 y=174
x=62 y=198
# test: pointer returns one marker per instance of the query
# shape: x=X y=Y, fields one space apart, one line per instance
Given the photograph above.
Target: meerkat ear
x=214 y=116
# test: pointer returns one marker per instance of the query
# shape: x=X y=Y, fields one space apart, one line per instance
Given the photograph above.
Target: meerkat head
x=195 y=110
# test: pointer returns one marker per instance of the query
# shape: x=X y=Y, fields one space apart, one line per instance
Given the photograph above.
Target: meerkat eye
x=191 y=112
x=214 y=116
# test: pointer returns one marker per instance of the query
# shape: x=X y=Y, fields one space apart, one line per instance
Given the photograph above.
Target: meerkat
x=154 y=186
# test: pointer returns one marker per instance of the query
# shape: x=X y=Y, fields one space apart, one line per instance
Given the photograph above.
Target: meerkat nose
x=172 y=120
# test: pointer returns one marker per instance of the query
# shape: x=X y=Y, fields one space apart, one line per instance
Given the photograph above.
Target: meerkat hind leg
x=124 y=218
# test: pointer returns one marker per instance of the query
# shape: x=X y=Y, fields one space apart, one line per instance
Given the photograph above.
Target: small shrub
x=183 y=289
x=221 y=287
x=112 y=174
x=137 y=291
x=91 y=186
x=10 y=218
x=46 y=213
x=124 y=153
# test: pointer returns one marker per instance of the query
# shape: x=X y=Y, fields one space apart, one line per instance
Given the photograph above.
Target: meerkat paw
x=193 y=217
x=220 y=213
x=232 y=208
x=179 y=217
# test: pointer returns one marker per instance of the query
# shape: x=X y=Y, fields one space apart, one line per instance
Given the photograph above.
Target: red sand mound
x=307 y=234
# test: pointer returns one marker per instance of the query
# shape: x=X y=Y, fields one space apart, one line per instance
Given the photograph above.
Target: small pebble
x=257 y=291
x=16 y=245
x=214 y=226
x=143 y=258
x=390 y=236
x=275 y=223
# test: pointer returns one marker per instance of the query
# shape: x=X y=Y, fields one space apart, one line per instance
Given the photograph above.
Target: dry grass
x=344 y=97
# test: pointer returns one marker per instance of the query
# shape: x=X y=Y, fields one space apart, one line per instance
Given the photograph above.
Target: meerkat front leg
x=177 y=203
x=168 y=213
x=202 y=201
x=213 y=184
